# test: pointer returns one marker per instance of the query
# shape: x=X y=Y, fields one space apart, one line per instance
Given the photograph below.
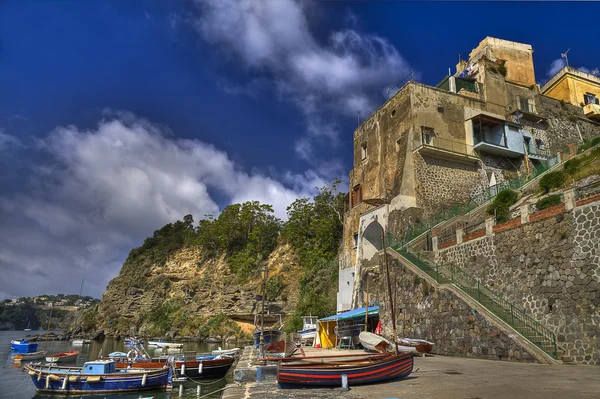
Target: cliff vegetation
x=204 y=280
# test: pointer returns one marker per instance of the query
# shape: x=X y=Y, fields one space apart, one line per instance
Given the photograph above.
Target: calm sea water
x=18 y=385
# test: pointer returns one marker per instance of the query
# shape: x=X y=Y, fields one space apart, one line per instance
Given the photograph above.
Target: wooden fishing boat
x=80 y=341
x=367 y=370
x=228 y=352
x=62 y=357
x=23 y=346
x=196 y=367
x=99 y=376
x=162 y=344
x=420 y=345
x=24 y=357
x=269 y=335
x=281 y=349
x=377 y=343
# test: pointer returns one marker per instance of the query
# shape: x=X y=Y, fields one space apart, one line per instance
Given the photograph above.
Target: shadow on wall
x=372 y=240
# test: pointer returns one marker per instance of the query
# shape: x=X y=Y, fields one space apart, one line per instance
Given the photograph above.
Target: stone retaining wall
x=550 y=266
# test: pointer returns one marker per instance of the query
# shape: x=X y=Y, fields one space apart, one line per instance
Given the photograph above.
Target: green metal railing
x=508 y=312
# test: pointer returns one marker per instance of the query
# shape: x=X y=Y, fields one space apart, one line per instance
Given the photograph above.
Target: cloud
x=556 y=66
x=7 y=140
x=102 y=191
x=327 y=79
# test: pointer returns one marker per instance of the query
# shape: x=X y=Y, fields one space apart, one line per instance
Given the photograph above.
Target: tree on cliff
x=314 y=229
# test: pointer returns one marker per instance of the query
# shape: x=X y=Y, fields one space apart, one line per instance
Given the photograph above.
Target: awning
x=352 y=314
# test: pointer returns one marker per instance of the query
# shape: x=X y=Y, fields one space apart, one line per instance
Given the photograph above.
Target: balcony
x=490 y=136
x=523 y=111
x=592 y=111
x=453 y=150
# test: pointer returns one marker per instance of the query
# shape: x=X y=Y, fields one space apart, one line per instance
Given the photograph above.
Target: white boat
x=220 y=351
x=309 y=328
x=162 y=344
x=80 y=341
x=374 y=342
x=24 y=357
x=62 y=357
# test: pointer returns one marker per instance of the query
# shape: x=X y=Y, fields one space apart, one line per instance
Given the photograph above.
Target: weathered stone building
x=576 y=87
x=428 y=148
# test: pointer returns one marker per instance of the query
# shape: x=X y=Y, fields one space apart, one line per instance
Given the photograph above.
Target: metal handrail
x=511 y=314
x=459 y=147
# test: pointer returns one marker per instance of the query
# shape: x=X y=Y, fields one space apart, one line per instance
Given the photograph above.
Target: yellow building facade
x=576 y=87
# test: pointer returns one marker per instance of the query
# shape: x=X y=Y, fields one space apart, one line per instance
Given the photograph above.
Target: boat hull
x=315 y=375
x=164 y=344
x=308 y=334
x=62 y=357
x=52 y=382
x=24 y=357
x=214 y=368
x=268 y=337
x=26 y=347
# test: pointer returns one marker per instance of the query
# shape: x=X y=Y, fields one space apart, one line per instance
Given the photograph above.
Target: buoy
x=200 y=368
x=198 y=390
x=144 y=379
x=64 y=384
x=183 y=369
x=181 y=390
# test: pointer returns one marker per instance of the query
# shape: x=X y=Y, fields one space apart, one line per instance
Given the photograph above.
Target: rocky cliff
x=197 y=287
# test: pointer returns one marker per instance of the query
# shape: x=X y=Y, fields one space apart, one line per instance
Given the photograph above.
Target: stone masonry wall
x=440 y=316
x=551 y=268
x=432 y=176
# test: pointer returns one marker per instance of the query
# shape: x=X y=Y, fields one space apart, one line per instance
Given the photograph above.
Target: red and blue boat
x=329 y=372
x=99 y=376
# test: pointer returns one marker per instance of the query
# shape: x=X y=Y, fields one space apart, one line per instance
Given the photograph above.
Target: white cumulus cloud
x=102 y=191
x=326 y=79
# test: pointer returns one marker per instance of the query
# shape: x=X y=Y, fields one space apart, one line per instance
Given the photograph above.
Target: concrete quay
x=435 y=377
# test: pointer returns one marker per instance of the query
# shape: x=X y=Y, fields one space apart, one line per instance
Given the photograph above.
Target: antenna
x=564 y=55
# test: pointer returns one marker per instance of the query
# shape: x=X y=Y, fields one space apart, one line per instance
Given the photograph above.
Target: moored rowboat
x=23 y=346
x=162 y=344
x=62 y=357
x=281 y=349
x=99 y=376
x=197 y=368
x=23 y=357
x=361 y=371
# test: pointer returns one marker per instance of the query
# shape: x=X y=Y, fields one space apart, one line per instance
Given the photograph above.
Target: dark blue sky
x=267 y=92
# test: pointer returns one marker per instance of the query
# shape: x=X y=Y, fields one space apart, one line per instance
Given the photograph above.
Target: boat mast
x=48 y=329
x=389 y=287
x=262 y=318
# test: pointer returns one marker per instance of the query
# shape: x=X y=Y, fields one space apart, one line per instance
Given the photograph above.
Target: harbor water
x=18 y=385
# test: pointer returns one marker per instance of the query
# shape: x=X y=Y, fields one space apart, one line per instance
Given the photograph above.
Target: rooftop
x=571 y=71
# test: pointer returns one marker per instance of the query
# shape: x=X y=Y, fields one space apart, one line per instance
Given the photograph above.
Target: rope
x=18 y=386
x=204 y=383
x=213 y=392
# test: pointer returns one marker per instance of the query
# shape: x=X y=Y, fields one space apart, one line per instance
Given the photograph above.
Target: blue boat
x=269 y=336
x=99 y=376
x=23 y=346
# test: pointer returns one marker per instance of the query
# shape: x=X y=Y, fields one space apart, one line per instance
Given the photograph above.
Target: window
x=526 y=105
x=589 y=98
x=427 y=135
x=356 y=195
x=363 y=151
x=355 y=240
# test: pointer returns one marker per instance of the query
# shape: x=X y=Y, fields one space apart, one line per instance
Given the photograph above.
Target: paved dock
x=450 y=377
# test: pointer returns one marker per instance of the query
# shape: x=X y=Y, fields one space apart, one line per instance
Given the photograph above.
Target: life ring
x=132 y=355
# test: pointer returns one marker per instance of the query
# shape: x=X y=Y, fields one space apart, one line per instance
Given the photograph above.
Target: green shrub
x=588 y=144
x=492 y=68
x=502 y=70
x=549 y=201
x=501 y=205
x=553 y=180
x=532 y=87
x=572 y=165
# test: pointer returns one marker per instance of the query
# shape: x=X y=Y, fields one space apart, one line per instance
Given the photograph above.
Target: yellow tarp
x=327 y=336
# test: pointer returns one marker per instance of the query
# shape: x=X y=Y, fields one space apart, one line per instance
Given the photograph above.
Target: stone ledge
x=246 y=369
